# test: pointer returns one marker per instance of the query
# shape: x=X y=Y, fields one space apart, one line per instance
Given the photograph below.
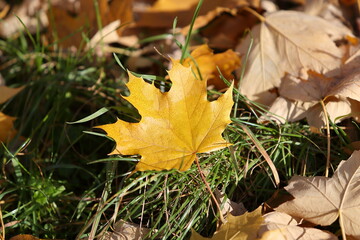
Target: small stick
x=209 y=190
x=328 y=138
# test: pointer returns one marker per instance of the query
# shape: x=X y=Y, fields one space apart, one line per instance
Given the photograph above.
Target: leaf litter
x=297 y=60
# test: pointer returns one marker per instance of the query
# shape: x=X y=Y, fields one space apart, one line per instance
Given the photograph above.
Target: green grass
x=53 y=186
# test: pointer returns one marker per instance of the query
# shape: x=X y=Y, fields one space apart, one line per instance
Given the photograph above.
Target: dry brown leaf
x=242 y=227
x=322 y=200
x=163 y=12
x=25 y=237
x=69 y=26
x=288 y=41
x=126 y=231
x=224 y=26
x=7 y=93
x=7 y=130
x=207 y=62
x=281 y=226
x=203 y=20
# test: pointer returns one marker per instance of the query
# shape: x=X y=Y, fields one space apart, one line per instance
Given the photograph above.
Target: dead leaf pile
x=318 y=200
x=323 y=200
x=273 y=225
x=295 y=66
x=288 y=42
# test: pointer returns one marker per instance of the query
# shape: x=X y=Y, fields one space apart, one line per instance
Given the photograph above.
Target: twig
x=209 y=190
x=328 y=138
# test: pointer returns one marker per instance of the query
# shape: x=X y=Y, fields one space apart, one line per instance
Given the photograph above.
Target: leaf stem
x=328 y=138
x=255 y=13
x=343 y=234
x=209 y=190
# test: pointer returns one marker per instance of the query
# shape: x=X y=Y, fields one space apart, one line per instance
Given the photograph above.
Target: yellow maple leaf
x=175 y=125
x=243 y=227
x=208 y=62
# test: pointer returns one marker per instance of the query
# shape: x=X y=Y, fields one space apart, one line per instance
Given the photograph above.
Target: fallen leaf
x=68 y=26
x=175 y=125
x=162 y=13
x=288 y=41
x=237 y=228
x=322 y=200
x=7 y=130
x=228 y=206
x=7 y=93
x=301 y=98
x=204 y=20
x=126 y=231
x=104 y=37
x=273 y=234
x=203 y=58
x=24 y=237
x=281 y=226
x=223 y=27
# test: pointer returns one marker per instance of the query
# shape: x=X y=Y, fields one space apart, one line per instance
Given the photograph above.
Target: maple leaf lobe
x=175 y=125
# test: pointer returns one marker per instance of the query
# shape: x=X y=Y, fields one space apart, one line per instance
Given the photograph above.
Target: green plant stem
x=209 y=190
x=188 y=36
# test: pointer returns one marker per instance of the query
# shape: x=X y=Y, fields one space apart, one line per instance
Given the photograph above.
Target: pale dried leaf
x=300 y=98
x=106 y=35
x=312 y=89
x=337 y=109
x=322 y=200
x=287 y=41
x=286 y=227
x=228 y=206
x=127 y=231
x=283 y=110
x=348 y=87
